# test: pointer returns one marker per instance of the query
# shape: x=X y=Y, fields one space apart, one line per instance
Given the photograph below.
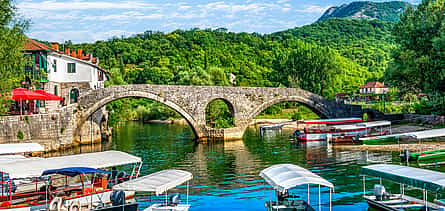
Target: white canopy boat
x=283 y=177
x=159 y=183
x=15 y=152
x=32 y=184
x=422 y=179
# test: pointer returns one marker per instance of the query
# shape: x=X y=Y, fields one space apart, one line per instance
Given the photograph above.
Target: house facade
x=66 y=74
x=374 y=88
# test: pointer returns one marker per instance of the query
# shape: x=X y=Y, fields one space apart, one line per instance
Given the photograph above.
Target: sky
x=92 y=20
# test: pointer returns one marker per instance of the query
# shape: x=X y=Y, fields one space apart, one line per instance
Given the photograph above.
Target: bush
x=20 y=135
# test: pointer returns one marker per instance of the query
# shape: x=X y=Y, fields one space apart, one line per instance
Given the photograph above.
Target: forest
x=327 y=57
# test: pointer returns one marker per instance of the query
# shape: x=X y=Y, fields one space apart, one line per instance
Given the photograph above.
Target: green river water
x=226 y=173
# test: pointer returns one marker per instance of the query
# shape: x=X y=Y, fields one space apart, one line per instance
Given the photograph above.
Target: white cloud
x=79 y=35
x=52 y=5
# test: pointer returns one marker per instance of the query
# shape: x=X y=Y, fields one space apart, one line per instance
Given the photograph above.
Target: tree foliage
x=418 y=64
x=11 y=58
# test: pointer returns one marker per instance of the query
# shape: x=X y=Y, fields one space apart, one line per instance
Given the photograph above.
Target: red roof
x=374 y=85
x=32 y=45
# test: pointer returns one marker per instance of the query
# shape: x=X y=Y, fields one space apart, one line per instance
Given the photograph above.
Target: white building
x=66 y=74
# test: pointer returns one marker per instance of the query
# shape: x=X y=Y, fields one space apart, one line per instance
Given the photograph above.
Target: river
x=226 y=173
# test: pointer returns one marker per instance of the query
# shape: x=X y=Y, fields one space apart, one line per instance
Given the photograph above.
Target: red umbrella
x=21 y=94
x=49 y=96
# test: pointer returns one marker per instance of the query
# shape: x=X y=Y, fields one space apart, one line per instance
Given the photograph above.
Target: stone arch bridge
x=191 y=102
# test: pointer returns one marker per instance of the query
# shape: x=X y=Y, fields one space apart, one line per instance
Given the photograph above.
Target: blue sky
x=91 y=20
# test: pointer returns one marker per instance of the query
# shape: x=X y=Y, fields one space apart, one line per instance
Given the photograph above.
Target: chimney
x=55 y=45
x=73 y=54
x=79 y=53
x=67 y=51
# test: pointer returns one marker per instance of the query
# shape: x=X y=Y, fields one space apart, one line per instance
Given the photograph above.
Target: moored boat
x=283 y=177
x=344 y=133
x=425 y=180
x=158 y=183
x=68 y=182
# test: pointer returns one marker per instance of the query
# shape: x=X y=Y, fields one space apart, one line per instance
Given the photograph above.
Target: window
x=55 y=65
x=71 y=67
x=55 y=90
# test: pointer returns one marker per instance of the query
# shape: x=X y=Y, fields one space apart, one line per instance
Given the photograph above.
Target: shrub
x=20 y=135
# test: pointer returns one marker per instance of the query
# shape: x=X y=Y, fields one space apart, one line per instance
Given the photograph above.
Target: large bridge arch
x=139 y=94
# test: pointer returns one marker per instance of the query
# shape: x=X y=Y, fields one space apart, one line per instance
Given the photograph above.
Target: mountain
x=385 y=11
x=366 y=42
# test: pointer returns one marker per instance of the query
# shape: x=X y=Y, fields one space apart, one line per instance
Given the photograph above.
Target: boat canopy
x=286 y=176
x=158 y=182
x=74 y=171
x=6 y=149
x=35 y=167
x=416 y=177
x=347 y=127
x=426 y=134
x=332 y=121
x=374 y=124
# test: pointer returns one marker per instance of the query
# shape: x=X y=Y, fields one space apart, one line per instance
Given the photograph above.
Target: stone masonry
x=191 y=102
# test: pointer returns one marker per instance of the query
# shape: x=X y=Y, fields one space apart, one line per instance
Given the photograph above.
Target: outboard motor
x=175 y=199
x=117 y=198
x=296 y=133
x=405 y=155
x=379 y=192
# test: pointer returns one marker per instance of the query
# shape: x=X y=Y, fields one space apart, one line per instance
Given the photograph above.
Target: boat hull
x=292 y=205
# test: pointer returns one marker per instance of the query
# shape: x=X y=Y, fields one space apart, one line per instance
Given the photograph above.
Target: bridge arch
x=317 y=108
x=231 y=108
x=141 y=94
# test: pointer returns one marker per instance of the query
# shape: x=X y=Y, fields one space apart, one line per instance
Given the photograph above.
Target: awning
x=416 y=177
x=158 y=182
x=375 y=124
x=332 y=121
x=74 y=171
x=20 y=148
x=286 y=176
x=49 y=96
x=347 y=127
x=426 y=134
x=21 y=94
x=34 y=168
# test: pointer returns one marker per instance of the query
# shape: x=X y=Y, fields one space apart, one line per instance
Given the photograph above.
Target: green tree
x=11 y=58
x=418 y=62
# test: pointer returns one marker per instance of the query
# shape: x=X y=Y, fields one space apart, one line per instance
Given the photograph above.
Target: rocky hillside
x=385 y=11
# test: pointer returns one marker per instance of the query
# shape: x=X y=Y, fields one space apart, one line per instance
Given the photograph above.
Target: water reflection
x=226 y=174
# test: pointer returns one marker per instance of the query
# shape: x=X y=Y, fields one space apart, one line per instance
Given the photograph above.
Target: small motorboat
x=283 y=177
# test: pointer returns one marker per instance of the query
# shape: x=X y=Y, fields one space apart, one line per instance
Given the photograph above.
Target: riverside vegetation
x=327 y=57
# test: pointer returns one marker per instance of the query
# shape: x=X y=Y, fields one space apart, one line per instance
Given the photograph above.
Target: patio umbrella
x=22 y=94
x=49 y=96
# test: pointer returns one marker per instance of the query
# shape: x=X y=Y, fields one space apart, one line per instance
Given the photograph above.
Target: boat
x=428 y=157
x=344 y=133
x=423 y=179
x=66 y=181
x=19 y=151
x=330 y=121
x=283 y=177
x=157 y=183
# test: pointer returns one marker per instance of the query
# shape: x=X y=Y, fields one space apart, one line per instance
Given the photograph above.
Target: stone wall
x=425 y=119
x=54 y=130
